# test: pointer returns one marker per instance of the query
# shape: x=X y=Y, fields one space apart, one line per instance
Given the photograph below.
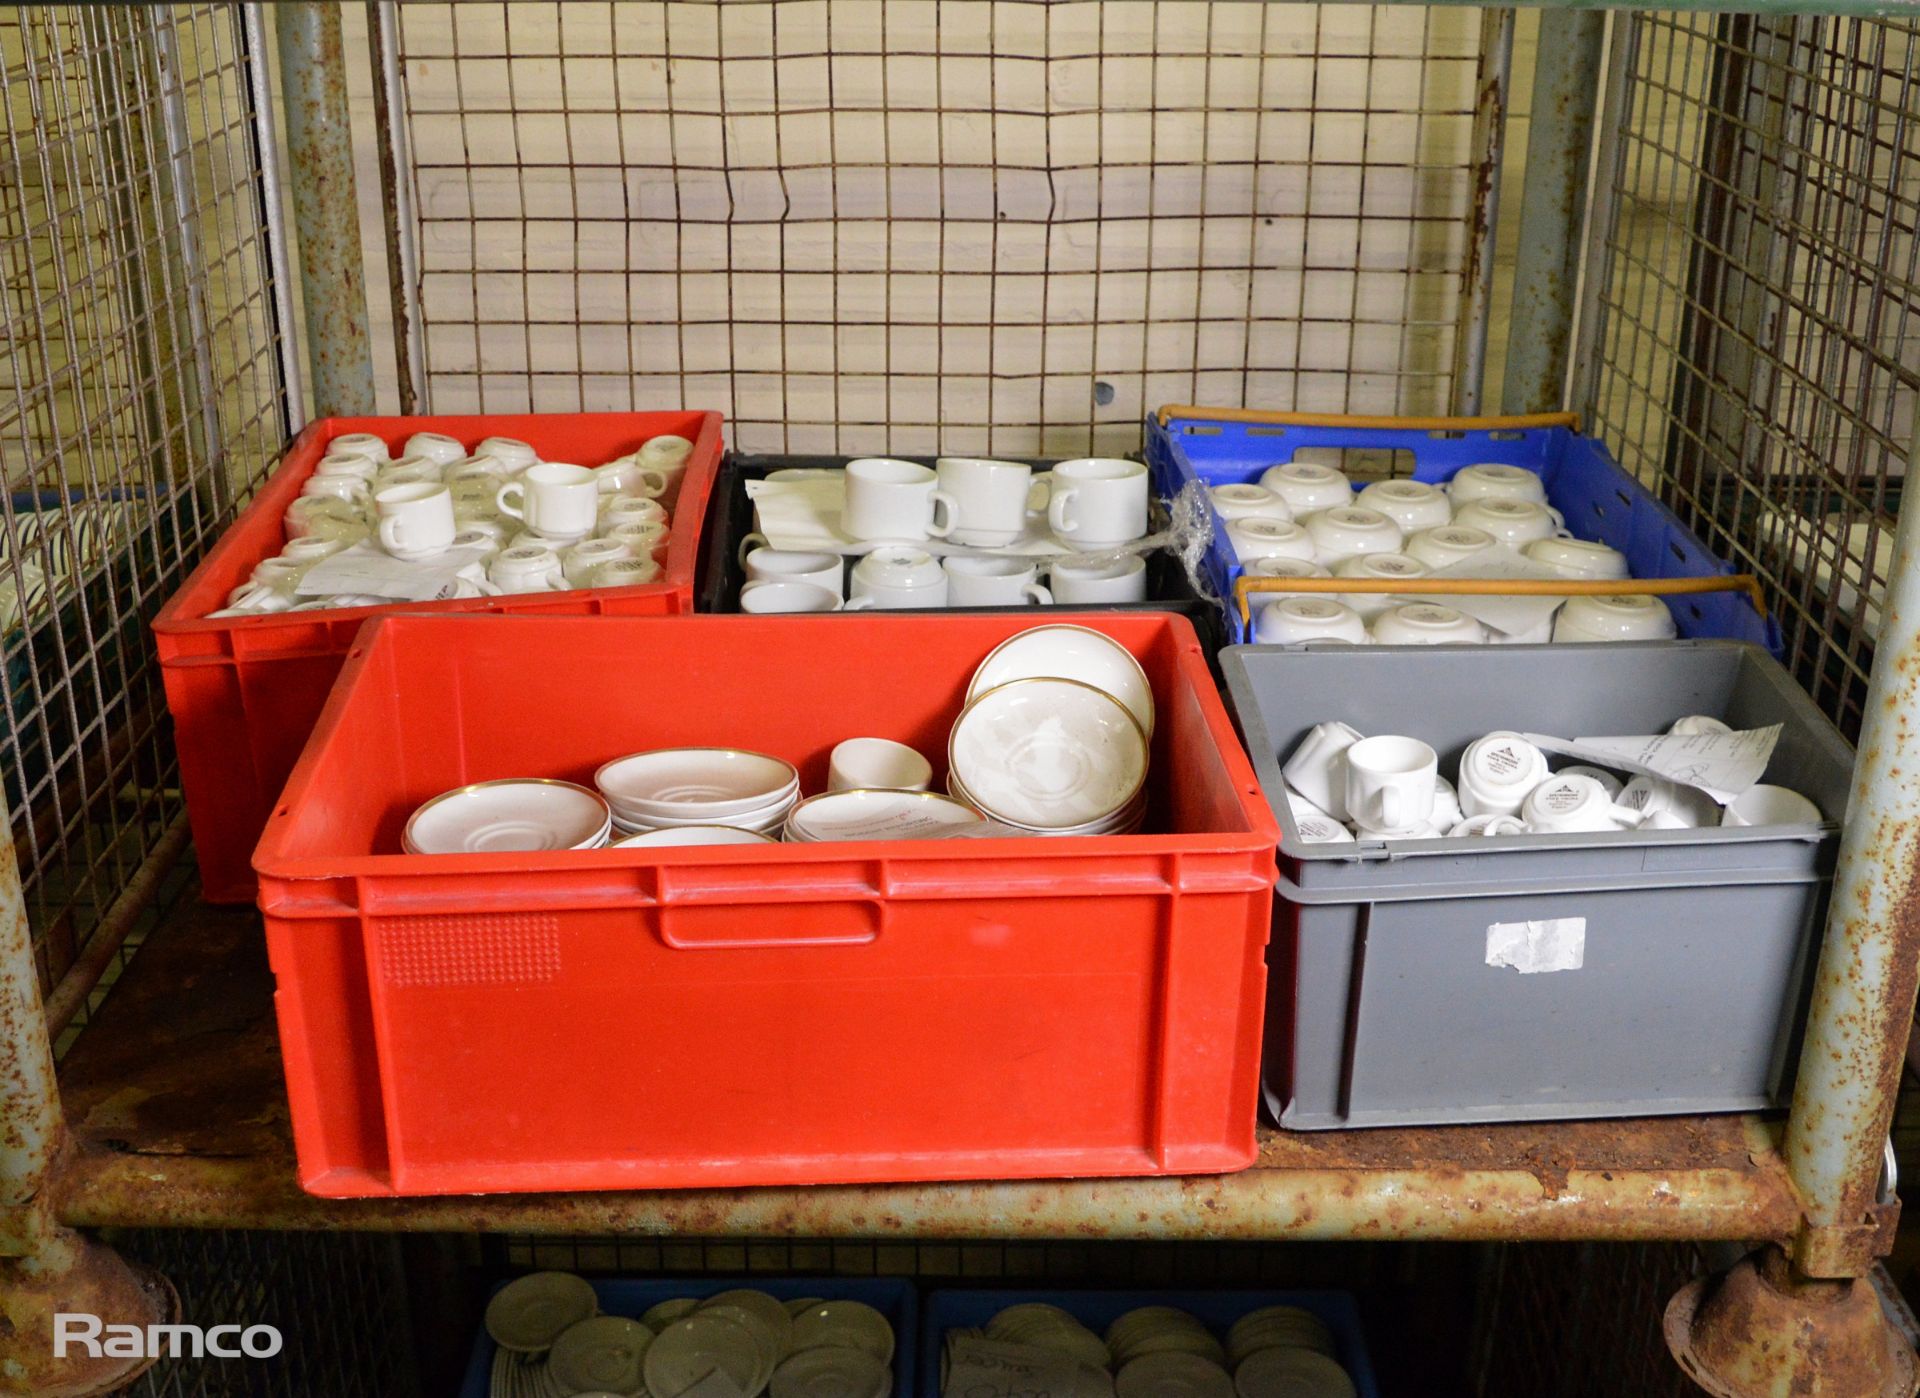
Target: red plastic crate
x=643 y=1018
x=245 y=691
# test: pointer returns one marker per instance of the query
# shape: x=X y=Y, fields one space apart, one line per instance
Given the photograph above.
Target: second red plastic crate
x=244 y=691
x=784 y=1014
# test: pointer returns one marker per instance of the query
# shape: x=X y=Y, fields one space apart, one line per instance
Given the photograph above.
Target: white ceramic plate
x=759 y=818
x=1073 y=653
x=661 y=1314
x=691 y=1348
x=843 y=1325
x=693 y=835
x=876 y=815
x=1048 y=754
x=1291 y=1373
x=695 y=783
x=602 y=1354
x=529 y=1313
x=831 y=1373
x=1172 y=1376
x=517 y=814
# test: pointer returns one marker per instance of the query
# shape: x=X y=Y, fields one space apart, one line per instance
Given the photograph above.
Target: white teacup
x=282 y=573
x=359 y=444
x=624 y=572
x=344 y=463
x=1100 y=581
x=435 y=446
x=1387 y=566
x=977 y=581
x=416 y=519
x=1693 y=724
x=1448 y=544
x=1350 y=530
x=1515 y=523
x=647 y=540
x=1614 y=786
x=1578 y=558
x=513 y=453
x=1413 y=505
x=1495 y=480
x=1666 y=805
x=1294 y=619
x=893 y=500
x=1574 y=803
x=627 y=476
x=1427 y=624
x=877 y=764
x=1284 y=568
x=1446 y=805
x=557 y=500
x=347 y=490
x=989 y=498
x=527 y=568
x=893 y=577
x=1259 y=537
x=408 y=470
x=1098 y=502
x=311 y=549
x=322 y=517
x=1317 y=767
x=1307 y=486
x=578 y=562
x=1497 y=772
x=1765 y=804
x=1636 y=616
x=822 y=570
x=666 y=453
x=634 y=509
x=771 y=597
x=1247 y=502
x=1390 y=784
x=254 y=598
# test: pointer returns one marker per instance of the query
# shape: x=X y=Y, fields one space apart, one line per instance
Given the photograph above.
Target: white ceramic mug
x=1098 y=502
x=557 y=500
x=359 y=444
x=578 y=561
x=1666 y=805
x=893 y=501
x=342 y=463
x=624 y=572
x=1099 y=581
x=1247 y=502
x=666 y=453
x=892 y=577
x=1317 y=766
x=511 y=452
x=1578 y=558
x=633 y=509
x=1413 y=505
x=976 y=581
x=1427 y=624
x=1636 y=616
x=346 y=490
x=437 y=447
x=416 y=519
x=648 y=540
x=1515 y=523
x=1490 y=825
x=1291 y=620
x=1349 y=530
x=1386 y=566
x=626 y=476
x=1448 y=544
x=770 y=597
x=1496 y=773
x=1613 y=784
x=1494 y=480
x=527 y=568
x=1260 y=537
x=877 y=764
x=989 y=498
x=1307 y=486
x=825 y=570
x=1572 y=803
x=1764 y=804
x=1390 y=783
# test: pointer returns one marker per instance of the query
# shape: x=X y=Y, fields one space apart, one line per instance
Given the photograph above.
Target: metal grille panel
x=1009 y=226
x=1757 y=352
x=140 y=397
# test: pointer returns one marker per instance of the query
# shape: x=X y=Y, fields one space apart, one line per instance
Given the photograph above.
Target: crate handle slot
x=1504 y=587
x=735 y=926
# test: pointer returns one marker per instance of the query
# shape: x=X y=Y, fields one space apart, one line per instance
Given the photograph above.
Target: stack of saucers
x=518 y=814
x=685 y=788
x=862 y=814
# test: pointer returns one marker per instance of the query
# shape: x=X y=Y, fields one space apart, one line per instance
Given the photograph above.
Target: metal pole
x=1863 y=995
x=1603 y=201
x=273 y=213
x=1546 y=275
x=29 y=1097
x=396 y=185
x=326 y=208
x=1489 y=144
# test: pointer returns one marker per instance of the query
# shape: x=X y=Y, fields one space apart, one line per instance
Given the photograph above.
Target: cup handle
x=519 y=491
x=946 y=514
x=654 y=481
x=1057 y=520
x=1038 y=593
x=862 y=603
x=1393 y=808
x=748 y=545
x=391 y=538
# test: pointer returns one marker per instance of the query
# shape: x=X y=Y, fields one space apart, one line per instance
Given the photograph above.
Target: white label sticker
x=1546 y=944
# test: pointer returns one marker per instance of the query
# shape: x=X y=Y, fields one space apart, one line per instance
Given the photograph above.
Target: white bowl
x=511 y=815
x=1048 y=753
x=695 y=783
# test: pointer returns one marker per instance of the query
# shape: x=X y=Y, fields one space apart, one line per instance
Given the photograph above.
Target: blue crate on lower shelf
x=892 y=1297
x=1217 y=1310
x=1601 y=502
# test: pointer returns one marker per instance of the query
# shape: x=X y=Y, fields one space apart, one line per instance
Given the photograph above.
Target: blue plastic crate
x=1600 y=501
x=892 y=1297
x=1217 y=1310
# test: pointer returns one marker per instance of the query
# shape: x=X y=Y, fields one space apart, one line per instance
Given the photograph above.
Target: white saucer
x=829 y=1372
x=695 y=783
x=838 y=816
x=1069 y=652
x=693 y=835
x=844 y=1325
x=1048 y=754
x=690 y=1349
x=517 y=814
x=1172 y=1375
x=529 y=1313
x=1291 y=1373
x=661 y=1314
x=602 y=1354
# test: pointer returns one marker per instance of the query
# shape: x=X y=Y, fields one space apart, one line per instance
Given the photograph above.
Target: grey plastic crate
x=1381 y=1006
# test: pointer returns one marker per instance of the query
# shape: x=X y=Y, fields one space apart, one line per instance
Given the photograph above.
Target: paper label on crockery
x=1538 y=946
x=979 y=1368
x=1724 y=765
x=376 y=573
